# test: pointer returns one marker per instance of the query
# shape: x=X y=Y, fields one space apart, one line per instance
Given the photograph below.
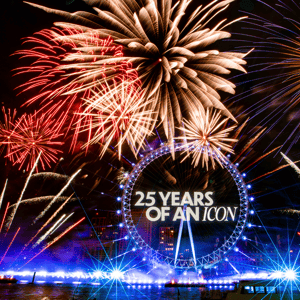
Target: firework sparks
x=48 y=232
x=171 y=57
x=290 y=211
x=48 y=221
x=118 y=114
x=4 y=216
x=13 y=213
x=55 y=240
x=54 y=228
x=291 y=163
x=33 y=135
x=10 y=245
x=271 y=172
x=259 y=159
x=58 y=195
x=3 y=192
x=41 y=199
x=54 y=77
x=50 y=175
x=122 y=176
x=276 y=80
x=205 y=137
x=249 y=144
x=6 y=131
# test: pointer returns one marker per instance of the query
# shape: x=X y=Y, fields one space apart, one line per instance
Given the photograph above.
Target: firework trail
x=13 y=213
x=260 y=158
x=55 y=240
x=48 y=232
x=271 y=172
x=52 y=229
x=177 y=66
x=3 y=192
x=290 y=211
x=10 y=245
x=291 y=163
x=48 y=221
x=55 y=228
x=35 y=134
x=118 y=113
x=276 y=75
x=56 y=197
x=6 y=130
x=4 y=216
x=249 y=144
x=239 y=130
x=48 y=175
x=205 y=137
x=43 y=198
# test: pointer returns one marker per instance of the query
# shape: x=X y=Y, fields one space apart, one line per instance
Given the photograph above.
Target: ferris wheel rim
x=204 y=261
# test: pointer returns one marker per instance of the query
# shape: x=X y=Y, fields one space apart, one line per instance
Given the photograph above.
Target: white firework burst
x=118 y=114
x=205 y=135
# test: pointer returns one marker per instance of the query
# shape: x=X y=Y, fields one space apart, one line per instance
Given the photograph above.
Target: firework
x=41 y=199
x=3 y=192
x=290 y=211
x=122 y=176
x=53 y=77
x=276 y=75
x=32 y=135
x=50 y=175
x=56 y=197
x=49 y=220
x=4 y=216
x=55 y=240
x=175 y=66
x=291 y=163
x=205 y=137
x=271 y=172
x=6 y=131
x=13 y=213
x=258 y=159
x=54 y=228
x=10 y=245
x=249 y=143
x=118 y=115
x=48 y=232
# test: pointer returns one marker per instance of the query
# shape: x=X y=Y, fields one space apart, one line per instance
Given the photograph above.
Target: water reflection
x=43 y=291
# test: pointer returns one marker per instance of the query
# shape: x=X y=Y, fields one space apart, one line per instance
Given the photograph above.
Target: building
x=166 y=241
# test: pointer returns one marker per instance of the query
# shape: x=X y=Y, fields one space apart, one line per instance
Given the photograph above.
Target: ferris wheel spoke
x=203 y=260
x=191 y=241
x=178 y=239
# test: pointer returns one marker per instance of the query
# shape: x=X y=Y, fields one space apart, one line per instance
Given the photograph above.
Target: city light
x=290 y=275
x=116 y=274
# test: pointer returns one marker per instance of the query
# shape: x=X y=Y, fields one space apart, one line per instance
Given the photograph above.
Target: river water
x=87 y=291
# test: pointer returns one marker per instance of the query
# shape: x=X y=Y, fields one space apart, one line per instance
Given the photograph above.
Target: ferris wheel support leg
x=192 y=241
x=178 y=240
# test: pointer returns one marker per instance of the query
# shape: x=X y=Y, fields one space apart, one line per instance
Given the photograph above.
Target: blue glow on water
x=90 y=291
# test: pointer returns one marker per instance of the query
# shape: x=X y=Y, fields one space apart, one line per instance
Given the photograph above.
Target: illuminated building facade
x=166 y=241
x=106 y=238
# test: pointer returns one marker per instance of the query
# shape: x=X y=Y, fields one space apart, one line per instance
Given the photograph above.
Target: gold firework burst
x=205 y=135
x=170 y=52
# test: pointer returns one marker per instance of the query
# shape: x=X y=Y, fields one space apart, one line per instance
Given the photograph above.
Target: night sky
x=18 y=20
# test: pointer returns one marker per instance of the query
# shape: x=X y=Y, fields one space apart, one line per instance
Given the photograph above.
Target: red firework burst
x=31 y=135
x=61 y=76
x=6 y=130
